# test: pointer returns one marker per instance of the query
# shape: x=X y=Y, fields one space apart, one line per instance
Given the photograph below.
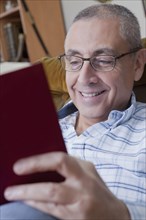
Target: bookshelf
x=18 y=38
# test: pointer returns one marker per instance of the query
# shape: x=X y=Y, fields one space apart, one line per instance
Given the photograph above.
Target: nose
x=87 y=75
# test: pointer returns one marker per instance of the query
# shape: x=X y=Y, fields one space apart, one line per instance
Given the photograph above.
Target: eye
x=73 y=62
x=102 y=61
x=72 y=59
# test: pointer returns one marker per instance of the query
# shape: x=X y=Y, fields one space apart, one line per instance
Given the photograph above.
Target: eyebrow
x=72 y=52
x=105 y=51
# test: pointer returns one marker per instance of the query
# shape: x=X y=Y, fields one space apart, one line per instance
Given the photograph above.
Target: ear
x=140 y=62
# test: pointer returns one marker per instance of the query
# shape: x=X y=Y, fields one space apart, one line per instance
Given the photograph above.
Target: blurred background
x=32 y=29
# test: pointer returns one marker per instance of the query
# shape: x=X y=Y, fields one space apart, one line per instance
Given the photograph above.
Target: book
x=15 y=39
x=11 y=33
x=28 y=124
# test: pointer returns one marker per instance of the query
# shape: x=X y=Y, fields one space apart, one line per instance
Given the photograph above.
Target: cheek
x=70 y=81
x=126 y=75
x=121 y=84
x=122 y=78
x=126 y=82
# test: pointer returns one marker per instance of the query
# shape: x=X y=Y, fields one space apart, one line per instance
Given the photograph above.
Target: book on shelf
x=15 y=41
x=11 y=34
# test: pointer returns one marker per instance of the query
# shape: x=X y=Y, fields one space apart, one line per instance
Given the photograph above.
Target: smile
x=91 y=94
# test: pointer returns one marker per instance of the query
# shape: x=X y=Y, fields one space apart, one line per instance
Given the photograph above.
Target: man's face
x=96 y=93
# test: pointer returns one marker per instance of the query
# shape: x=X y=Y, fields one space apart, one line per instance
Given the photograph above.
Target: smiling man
x=104 y=82
x=105 y=170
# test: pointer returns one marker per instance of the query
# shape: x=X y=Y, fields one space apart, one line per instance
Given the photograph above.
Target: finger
x=66 y=165
x=45 y=192
x=37 y=163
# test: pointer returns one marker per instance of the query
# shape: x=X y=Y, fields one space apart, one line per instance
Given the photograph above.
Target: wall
x=72 y=7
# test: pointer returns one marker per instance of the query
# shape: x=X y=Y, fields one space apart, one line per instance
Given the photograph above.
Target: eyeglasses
x=102 y=63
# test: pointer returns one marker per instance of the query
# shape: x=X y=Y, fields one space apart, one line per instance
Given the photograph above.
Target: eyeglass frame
x=134 y=50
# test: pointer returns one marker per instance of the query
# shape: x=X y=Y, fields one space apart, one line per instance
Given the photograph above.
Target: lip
x=92 y=98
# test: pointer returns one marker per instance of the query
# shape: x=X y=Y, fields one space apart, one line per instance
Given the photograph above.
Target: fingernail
x=18 y=167
x=8 y=194
x=12 y=193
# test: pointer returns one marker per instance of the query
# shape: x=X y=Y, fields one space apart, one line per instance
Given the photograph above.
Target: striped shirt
x=117 y=148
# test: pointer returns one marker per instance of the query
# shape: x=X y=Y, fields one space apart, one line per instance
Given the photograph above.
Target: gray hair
x=129 y=26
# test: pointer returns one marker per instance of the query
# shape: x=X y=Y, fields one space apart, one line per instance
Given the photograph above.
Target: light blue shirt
x=117 y=148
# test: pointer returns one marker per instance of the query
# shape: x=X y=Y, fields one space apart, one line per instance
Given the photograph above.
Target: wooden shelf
x=48 y=20
x=10 y=13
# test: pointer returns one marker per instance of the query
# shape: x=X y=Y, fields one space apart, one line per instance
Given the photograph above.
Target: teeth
x=90 y=94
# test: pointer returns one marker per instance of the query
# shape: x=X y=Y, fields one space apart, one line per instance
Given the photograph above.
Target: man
x=105 y=172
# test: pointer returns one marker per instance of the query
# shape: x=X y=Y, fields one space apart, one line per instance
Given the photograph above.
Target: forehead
x=87 y=36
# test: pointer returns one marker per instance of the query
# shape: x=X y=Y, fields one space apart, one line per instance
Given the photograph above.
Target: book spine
x=11 y=33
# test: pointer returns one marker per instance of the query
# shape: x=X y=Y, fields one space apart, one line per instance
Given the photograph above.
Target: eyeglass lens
x=74 y=63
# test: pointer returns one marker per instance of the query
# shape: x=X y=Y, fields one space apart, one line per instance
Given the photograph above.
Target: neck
x=83 y=123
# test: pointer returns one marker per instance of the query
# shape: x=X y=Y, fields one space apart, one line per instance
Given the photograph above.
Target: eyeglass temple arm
x=132 y=51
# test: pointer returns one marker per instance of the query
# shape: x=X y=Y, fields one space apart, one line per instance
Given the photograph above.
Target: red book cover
x=28 y=124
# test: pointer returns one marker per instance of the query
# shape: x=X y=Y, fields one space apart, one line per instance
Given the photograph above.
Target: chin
x=95 y=115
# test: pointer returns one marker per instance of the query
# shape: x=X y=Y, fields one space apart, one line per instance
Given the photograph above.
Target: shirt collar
x=119 y=117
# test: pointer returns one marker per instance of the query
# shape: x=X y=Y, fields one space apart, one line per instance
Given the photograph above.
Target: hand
x=83 y=194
